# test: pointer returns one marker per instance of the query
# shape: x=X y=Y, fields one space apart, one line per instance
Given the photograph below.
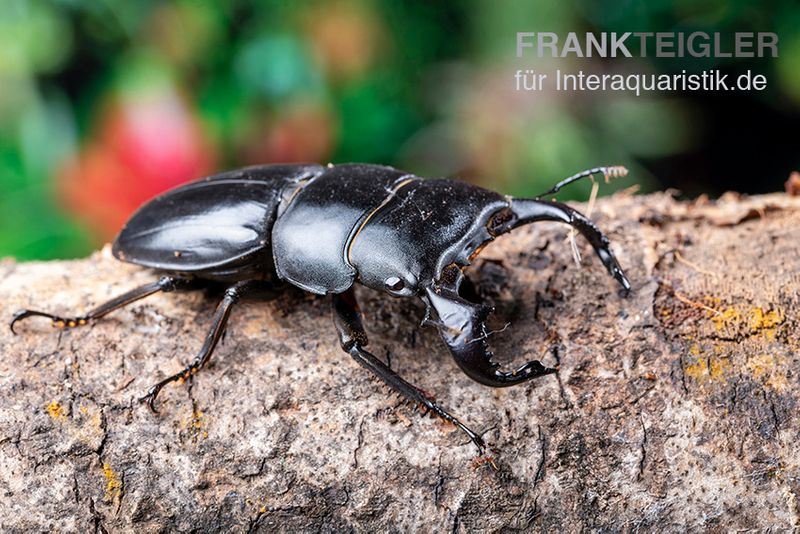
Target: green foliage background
x=427 y=86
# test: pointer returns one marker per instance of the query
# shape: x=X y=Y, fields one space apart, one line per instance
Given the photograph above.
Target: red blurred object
x=301 y=132
x=141 y=146
x=792 y=185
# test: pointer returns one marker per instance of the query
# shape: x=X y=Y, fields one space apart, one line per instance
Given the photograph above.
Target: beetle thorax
x=376 y=225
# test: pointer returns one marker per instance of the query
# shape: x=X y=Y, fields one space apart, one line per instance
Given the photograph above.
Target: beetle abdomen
x=310 y=238
x=218 y=227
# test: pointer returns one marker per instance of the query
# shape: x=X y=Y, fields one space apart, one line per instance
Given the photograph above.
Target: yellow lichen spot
x=708 y=369
x=767 y=322
x=725 y=318
x=197 y=419
x=113 y=483
x=717 y=367
x=56 y=411
x=694 y=350
x=96 y=421
x=197 y=424
x=697 y=370
x=262 y=510
x=770 y=319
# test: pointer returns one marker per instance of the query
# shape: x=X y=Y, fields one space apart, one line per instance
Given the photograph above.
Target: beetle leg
x=532 y=210
x=347 y=318
x=218 y=322
x=165 y=284
x=462 y=327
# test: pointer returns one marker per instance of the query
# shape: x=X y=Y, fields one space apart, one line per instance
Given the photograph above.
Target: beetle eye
x=394 y=283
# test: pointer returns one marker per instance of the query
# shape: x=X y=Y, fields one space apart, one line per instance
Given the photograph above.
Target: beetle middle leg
x=218 y=322
x=165 y=284
x=353 y=337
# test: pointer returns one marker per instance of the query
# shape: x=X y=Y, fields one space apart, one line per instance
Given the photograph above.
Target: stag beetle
x=324 y=228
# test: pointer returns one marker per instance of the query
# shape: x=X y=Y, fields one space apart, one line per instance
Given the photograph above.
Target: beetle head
x=419 y=241
x=406 y=244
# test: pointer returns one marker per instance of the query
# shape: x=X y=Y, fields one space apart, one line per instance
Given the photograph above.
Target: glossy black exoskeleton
x=323 y=229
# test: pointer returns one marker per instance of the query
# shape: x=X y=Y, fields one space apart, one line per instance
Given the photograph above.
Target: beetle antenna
x=613 y=171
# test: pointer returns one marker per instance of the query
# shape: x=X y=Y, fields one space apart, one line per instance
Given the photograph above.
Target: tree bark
x=674 y=408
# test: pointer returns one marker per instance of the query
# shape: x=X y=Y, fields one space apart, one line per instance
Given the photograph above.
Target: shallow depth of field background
x=103 y=104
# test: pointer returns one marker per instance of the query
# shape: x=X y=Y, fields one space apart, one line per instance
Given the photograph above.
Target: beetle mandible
x=325 y=228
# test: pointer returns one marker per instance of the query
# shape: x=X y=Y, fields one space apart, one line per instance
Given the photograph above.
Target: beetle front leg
x=353 y=338
x=462 y=327
x=165 y=284
x=218 y=322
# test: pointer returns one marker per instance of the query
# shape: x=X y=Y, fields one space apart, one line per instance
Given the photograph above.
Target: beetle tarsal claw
x=150 y=399
x=57 y=322
x=463 y=328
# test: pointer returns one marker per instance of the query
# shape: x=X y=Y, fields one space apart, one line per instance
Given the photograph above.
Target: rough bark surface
x=674 y=408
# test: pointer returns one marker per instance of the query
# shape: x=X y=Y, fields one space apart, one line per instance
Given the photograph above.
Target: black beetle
x=323 y=229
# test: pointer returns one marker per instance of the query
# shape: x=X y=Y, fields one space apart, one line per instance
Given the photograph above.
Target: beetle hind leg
x=220 y=319
x=165 y=284
x=532 y=210
x=353 y=337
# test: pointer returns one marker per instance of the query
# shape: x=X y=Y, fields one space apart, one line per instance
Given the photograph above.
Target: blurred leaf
x=788 y=66
x=375 y=121
x=33 y=227
x=553 y=148
x=493 y=25
x=46 y=135
x=33 y=37
x=649 y=127
x=225 y=108
x=277 y=66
